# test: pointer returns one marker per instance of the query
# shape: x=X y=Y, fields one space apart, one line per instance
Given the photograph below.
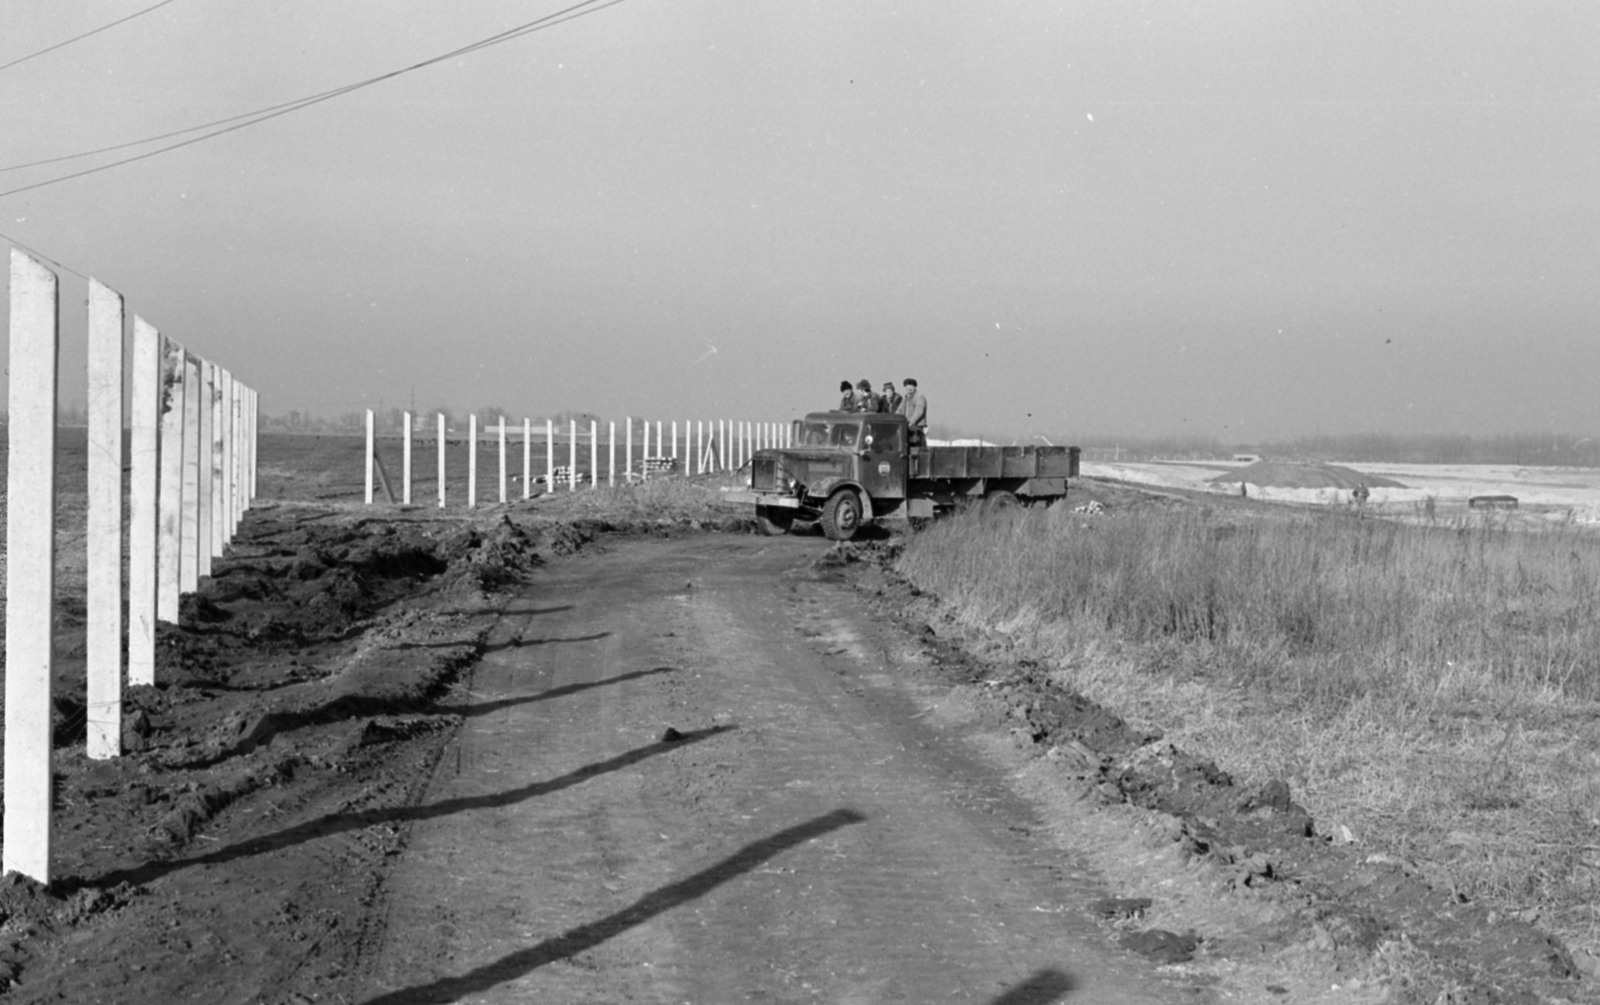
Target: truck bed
x=995 y=462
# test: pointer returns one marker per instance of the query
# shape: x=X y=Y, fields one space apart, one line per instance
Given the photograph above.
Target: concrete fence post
x=644 y=463
x=472 y=460
x=371 y=446
x=169 y=553
x=230 y=456
x=611 y=458
x=204 y=471
x=441 y=444
x=210 y=428
x=549 y=455
x=189 y=569
x=594 y=454
x=675 y=438
x=527 y=457
x=241 y=452
x=255 y=417
x=221 y=520
x=143 y=482
x=572 y=455
x=103 y=600
x=502 y=459
x=627 y=471
x=30 y=565
x=405 y=461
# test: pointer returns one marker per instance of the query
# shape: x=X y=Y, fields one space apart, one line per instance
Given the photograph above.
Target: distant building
x=1247 y=458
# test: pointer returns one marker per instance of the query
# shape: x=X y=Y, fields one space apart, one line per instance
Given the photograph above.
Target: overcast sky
x=1240 y=219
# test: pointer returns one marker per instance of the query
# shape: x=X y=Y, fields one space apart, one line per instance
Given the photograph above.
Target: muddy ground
x=244 y=850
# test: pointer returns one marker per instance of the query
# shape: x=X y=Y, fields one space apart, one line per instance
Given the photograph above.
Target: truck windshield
x=830 y=434
x=813 y=434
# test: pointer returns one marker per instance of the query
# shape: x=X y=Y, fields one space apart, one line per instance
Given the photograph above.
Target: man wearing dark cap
x=915 y=408
x=848 y=402
x=866 y=401
x=889 y=400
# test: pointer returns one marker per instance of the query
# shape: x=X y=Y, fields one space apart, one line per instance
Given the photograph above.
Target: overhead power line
x=79 y=38
x=243 y=120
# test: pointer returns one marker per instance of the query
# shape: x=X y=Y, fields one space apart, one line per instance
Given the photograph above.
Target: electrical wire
x=260 y=115
x=79 y=38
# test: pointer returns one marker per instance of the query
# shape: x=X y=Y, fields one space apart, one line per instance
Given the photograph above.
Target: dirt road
x=692 y=774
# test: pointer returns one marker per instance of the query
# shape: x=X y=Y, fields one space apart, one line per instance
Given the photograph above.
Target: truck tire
x=1000 y=501
x=841 y=515
x=774 y=521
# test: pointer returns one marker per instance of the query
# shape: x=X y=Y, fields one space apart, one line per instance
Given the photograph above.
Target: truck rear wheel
x=774 y=521
x=841 y=515
x=1000 y=501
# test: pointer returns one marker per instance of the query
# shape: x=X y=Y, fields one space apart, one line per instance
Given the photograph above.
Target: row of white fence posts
x=716 y=446
x=191 y=442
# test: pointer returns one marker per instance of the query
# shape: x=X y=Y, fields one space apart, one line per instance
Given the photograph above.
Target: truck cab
x=843 y=469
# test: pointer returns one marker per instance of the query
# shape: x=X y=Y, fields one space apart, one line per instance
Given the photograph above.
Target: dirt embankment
x=299 y=707
x=1289 y=475
x=1348 y=901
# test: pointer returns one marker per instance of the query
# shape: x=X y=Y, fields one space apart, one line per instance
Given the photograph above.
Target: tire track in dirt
x=802 y=837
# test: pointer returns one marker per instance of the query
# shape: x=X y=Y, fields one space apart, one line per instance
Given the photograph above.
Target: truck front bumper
x=762 y=499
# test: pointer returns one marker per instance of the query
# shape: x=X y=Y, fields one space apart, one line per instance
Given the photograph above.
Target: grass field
x=1433 y=688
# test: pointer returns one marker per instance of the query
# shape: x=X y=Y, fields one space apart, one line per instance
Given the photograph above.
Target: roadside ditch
x=1354 y=909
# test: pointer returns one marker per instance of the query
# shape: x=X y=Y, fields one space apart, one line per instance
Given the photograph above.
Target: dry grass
x=1434 y=689
x=667 y=498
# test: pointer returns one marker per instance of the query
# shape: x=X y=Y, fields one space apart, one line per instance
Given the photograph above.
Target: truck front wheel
x=841 y=515
x=774 y=521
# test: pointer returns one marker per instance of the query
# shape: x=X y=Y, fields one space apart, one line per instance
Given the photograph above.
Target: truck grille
x=764 y=473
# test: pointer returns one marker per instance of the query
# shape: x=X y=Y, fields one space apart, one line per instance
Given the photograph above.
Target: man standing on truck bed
x=889 y=401
x=847 y=403
x=866 y=401
x=915 y=408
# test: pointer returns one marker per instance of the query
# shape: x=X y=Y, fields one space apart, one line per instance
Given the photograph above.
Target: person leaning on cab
x=866 y=401
x=889 y=400
x=915 y=408
x=847 y=403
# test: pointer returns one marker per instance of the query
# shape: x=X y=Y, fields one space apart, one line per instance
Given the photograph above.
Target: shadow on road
x=339 y=823
x=1043 y=987
x=526 y=643
x=577 y=940
x=484 y=707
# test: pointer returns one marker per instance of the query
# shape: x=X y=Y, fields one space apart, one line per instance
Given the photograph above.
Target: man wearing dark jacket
x=866 y=401
x=889 y=400
x=847 y=403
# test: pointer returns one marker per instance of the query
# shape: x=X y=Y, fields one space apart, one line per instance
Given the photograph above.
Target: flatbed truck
x=845 y=470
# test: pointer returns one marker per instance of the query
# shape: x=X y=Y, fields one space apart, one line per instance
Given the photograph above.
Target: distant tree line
x=1534 y=449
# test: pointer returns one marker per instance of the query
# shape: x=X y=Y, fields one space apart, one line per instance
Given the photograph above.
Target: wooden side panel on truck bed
x=995 y=462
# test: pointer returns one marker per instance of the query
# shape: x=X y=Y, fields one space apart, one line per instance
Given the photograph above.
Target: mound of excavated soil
x=1286 y=475
x=299 y=707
